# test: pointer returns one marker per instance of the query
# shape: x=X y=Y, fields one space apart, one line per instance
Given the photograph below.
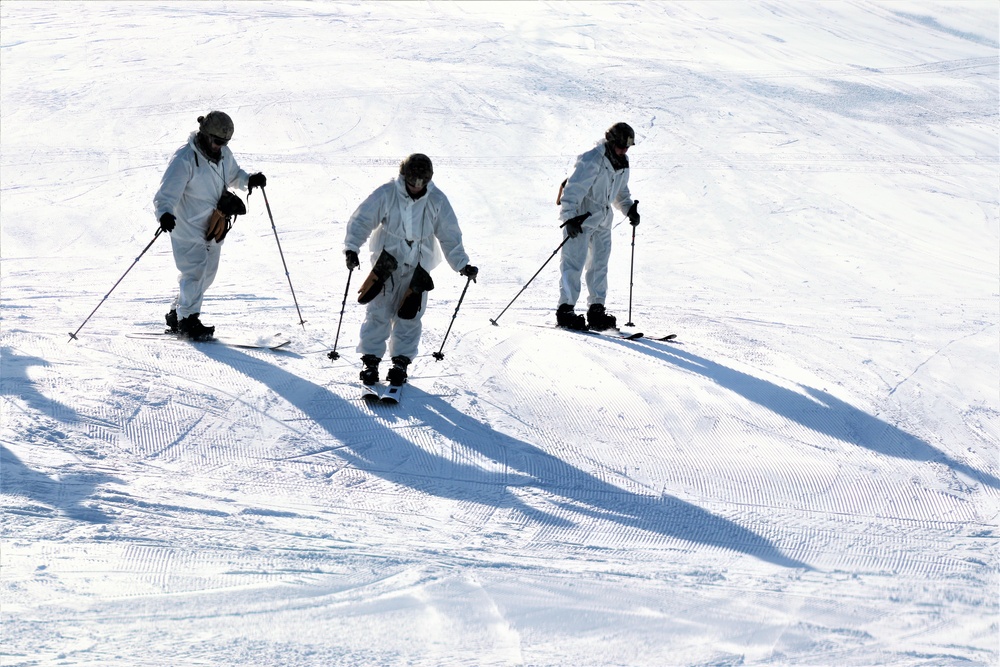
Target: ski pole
x=287 y=275
x=72 y=336
x=494 y=320
x=333 y=354
x=440 y=355
x=630 y=274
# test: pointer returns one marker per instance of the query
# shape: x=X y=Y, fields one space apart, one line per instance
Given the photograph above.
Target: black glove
x=167 y=222
x=256 y=180
x=574 y=226
x=352 y=260
x=633 y=213
x=469 y=271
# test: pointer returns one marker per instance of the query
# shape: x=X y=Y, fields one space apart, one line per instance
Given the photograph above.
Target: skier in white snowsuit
x=412 y=228
x=599 y=182
x=196 y=177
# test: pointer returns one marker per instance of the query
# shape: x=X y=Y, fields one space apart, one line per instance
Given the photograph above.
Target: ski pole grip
x=577 y=219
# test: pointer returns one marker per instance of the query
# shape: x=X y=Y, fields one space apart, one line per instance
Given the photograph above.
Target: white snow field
x=808 y=476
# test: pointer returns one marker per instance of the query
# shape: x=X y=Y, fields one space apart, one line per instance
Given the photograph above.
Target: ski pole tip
x=494 y=322
x=438 y=356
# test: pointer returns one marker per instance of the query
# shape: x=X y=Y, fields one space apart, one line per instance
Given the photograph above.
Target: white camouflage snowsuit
x=412 y=231
x=594 y=186
x=190 y=189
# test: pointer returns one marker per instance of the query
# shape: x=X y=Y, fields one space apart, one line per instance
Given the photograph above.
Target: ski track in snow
x=808 y=476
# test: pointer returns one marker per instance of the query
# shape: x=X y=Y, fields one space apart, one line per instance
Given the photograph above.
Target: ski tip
x=391 y=395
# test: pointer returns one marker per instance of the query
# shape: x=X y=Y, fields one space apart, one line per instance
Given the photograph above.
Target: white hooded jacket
x=594 y=187
x=191 y=187
x=411 y=230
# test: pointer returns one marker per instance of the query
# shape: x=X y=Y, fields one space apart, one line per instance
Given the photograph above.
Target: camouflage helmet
x=620 y=135
x=416 y=170
x=217 y=123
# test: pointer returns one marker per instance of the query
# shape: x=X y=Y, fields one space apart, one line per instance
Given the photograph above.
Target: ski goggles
x=416 y=182
x=217 y=140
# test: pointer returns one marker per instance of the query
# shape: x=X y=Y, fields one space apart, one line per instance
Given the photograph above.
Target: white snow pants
x=381 y=322
x=198 y=262
x=589 y=251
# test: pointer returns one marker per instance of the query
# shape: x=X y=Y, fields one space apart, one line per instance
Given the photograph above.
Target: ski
x=607 y=333
x=392 y=394
x=616 y=333
x=613 y=333
x=261 y=343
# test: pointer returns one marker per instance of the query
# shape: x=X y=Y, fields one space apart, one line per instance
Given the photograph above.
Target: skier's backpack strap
x=561 y=187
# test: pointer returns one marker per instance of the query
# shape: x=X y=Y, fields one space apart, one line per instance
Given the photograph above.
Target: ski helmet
x=417 y=170
x=218 y=124
x=620 y=135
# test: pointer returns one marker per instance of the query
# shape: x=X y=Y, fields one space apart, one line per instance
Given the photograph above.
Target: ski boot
x=598 y=319
x=171 y=318
x=397 y=374
x=369 y=374
x=568 y=319
x=192 y=327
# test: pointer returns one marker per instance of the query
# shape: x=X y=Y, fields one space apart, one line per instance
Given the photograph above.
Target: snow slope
x=808 y=477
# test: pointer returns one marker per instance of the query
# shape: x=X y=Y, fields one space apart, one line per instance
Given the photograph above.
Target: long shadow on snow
x=66 y=494
x=823 y=413
x=15 y=382
x=520 y=464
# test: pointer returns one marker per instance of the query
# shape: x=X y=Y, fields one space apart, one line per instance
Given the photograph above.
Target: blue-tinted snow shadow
x=66 y=493
x=819 y=411
x=14 y=381
x=518 y=465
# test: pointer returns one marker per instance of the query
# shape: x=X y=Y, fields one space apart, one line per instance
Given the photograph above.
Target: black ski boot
x=369 y=374
x=397 y=374
x=598 y=319
x=192 y=327
x=568 y=319
x=171 y=318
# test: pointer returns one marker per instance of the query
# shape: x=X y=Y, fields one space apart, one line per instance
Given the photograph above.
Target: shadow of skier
x=819 y=411
x=17 y=383
x=66 y=494
x=518 y=464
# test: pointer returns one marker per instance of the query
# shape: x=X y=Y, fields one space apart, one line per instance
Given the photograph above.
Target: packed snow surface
x=808 y=476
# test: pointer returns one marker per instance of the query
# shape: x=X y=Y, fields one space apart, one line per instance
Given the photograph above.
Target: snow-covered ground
x=810 y=476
